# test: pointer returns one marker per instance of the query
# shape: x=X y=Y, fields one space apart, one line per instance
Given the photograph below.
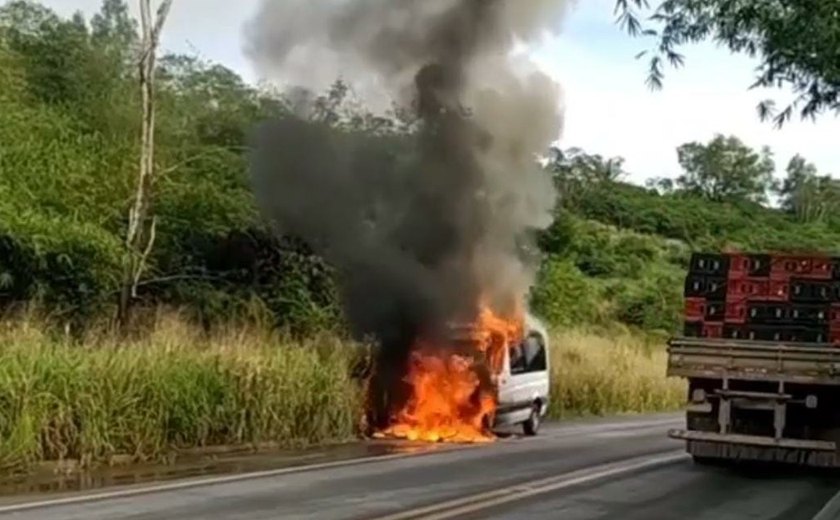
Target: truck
x=760 y=352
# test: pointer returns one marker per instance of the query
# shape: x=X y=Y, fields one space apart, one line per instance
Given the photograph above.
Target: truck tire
x=531 y=426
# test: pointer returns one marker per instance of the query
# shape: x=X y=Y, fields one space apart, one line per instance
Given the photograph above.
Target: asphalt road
x=621 y=469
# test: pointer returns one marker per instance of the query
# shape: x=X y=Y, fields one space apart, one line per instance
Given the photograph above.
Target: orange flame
x=453 y=394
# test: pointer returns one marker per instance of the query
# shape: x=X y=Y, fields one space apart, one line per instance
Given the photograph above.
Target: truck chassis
x=759 y=400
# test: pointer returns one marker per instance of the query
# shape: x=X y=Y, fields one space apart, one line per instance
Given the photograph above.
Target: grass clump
x=601 y=375
x=171 y=390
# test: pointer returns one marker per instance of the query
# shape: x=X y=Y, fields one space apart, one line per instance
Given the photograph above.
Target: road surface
x=619 y=469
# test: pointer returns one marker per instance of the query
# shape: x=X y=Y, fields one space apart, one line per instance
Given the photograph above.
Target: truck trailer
x=760 y=351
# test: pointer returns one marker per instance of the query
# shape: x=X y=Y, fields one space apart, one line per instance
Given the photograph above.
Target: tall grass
x=101 y=399
x=602 y=375
x=172 y=389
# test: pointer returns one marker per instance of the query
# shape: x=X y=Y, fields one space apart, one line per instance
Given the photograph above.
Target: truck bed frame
x=732 y=377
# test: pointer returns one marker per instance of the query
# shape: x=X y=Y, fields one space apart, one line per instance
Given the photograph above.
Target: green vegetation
x=598 y=375
x=614 y=259
x=174 y=389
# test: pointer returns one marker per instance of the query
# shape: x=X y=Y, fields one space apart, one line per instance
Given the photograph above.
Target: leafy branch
x=795 y=41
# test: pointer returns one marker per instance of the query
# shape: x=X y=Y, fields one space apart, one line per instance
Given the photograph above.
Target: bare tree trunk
x=141 y=229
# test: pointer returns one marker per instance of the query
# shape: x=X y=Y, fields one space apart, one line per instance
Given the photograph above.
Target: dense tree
x=725 y=169
x=574 y=171
x=114 y=27
x=805 y=193
x=796 y=42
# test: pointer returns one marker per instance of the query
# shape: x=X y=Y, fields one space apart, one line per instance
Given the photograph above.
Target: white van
x=524 y=382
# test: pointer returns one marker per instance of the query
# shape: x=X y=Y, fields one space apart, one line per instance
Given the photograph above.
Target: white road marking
x=620 y=434
x=831 y=510
x=482 y=501
x=571 y=431
x=562 y=432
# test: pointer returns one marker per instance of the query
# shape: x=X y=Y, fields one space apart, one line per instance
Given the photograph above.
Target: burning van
x=491 y=373
x=523 y=384
x=426 y=219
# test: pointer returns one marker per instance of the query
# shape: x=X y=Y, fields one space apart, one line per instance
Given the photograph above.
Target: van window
x=517 y=359
x=535 y=355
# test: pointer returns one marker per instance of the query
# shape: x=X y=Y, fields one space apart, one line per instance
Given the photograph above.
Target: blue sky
x=609 y=110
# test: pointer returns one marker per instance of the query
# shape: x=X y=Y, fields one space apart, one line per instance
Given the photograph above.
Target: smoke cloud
x=419 y=230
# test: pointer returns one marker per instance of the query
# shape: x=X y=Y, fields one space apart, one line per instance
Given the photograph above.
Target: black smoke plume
x=418 y=233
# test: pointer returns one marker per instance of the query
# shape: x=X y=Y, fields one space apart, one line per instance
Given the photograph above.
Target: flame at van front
x=452 y=390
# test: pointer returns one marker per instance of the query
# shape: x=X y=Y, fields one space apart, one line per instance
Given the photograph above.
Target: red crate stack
x=770 y=297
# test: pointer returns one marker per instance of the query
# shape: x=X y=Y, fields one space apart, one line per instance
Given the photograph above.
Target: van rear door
x=526 y=381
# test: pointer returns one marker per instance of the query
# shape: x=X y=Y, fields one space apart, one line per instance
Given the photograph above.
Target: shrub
x=563 y=295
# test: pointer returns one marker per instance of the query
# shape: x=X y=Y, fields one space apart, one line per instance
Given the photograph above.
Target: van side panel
x=524 y=380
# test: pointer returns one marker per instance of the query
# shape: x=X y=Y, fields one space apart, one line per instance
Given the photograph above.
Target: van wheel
x=532 y=425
